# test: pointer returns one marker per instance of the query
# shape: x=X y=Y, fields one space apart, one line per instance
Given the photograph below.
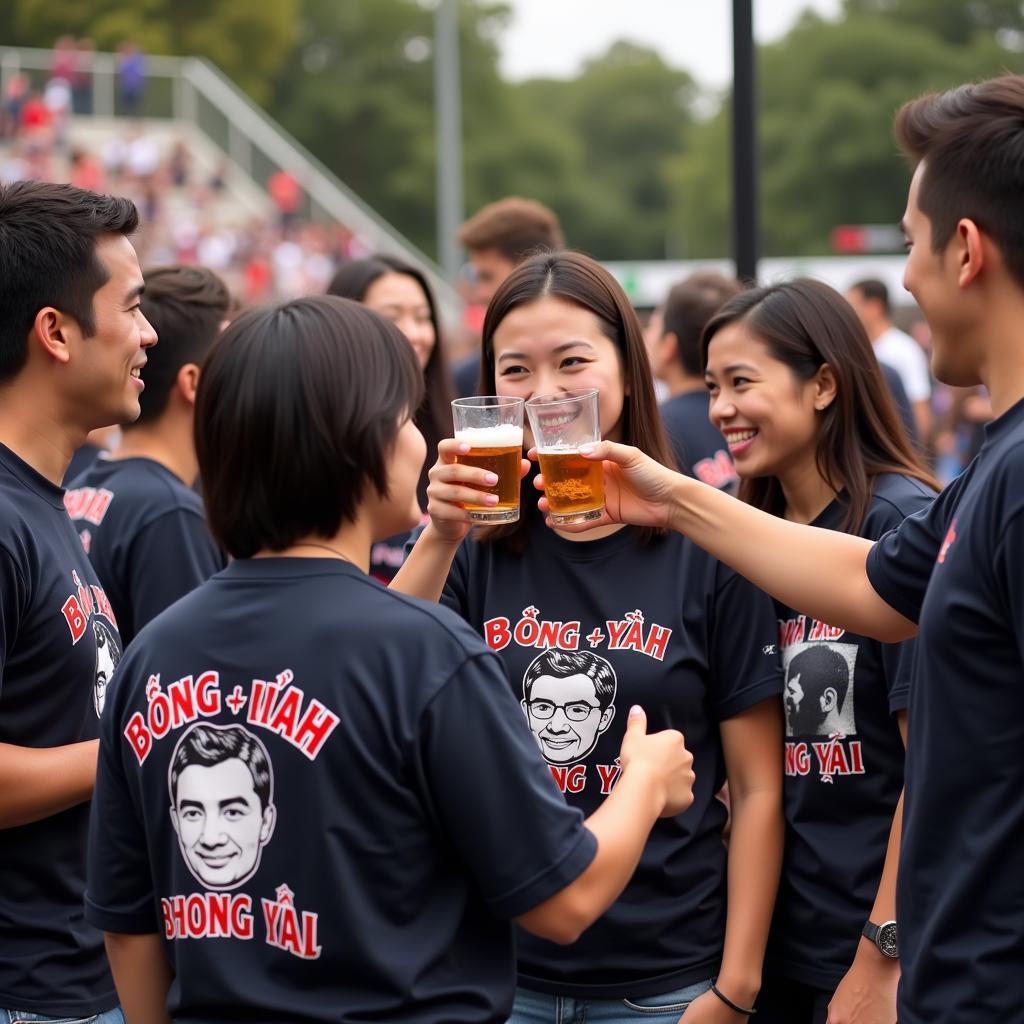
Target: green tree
x=248 y=41
x=828 y=92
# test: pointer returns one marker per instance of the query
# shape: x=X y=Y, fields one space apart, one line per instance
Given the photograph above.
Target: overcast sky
x=553 y=37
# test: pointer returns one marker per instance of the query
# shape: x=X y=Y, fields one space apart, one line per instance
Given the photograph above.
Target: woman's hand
x=709 y=1009
x=452 y=484
x=867 y=995
x=637 y=490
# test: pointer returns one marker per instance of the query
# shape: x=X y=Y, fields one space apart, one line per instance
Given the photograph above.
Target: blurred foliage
x=626 y=153
x=249 y=41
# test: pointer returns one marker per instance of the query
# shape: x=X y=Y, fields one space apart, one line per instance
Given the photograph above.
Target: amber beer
x=499 y=450
x=574 y=485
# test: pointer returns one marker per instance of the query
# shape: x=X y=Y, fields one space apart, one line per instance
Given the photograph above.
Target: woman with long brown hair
x=587 y=626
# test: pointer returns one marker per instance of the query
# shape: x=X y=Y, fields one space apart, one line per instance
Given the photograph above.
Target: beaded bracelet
x=728 y=1002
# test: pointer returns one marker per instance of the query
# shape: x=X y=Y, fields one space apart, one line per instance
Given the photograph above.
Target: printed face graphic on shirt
x=819 y=696
x=221 y=787
x=568 y=698
x=108 y=654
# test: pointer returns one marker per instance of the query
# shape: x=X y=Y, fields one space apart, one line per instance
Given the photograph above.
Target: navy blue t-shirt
x=957 y=569
x=144 y=531
x=700 y=448
x=319 y=793
x=844 y=767
x=58 y=648
x=587 y=629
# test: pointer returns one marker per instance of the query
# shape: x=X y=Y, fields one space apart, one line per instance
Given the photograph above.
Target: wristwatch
x=884 y=937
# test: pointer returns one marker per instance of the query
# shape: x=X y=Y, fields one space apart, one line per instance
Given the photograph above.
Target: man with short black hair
x=140 y=522
x=870 y=300
x=498 y=238
x=73 y=341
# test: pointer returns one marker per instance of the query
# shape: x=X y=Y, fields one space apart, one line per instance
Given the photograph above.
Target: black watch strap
x=884 y=937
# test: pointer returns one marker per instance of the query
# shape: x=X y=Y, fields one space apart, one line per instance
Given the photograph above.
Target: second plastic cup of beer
x=561 y=424
x=492 y=426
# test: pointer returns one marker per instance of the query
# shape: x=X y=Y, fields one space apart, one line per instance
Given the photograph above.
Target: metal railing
x=194 y=91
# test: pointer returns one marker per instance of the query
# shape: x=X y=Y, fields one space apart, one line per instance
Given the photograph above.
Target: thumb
x=637 y=722
x=609 y=451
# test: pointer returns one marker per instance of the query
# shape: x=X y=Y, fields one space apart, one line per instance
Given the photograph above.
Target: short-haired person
x=587 y=627
x=317 y=800
x=798 y=394
x=951 y=573
x=895 y=349
x=401 y=293
x=498 y=238
x=140 y=521
x=700 y=449
x=72 y=343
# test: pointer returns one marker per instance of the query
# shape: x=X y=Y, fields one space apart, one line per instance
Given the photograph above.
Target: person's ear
x=829 y=699
x=969 y=251
x=187 y=382
x=825 y=387
x=606 y=718
x=53 y=332
x=267 y=824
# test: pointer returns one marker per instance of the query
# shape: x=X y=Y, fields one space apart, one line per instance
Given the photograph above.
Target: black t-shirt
x=899 y=396
x=587 y=629
x=957 y=569
x=83 y=458
x=844 y=767
x=318 y=792
x=700 y=448
x=58 y=648
x=144 y=531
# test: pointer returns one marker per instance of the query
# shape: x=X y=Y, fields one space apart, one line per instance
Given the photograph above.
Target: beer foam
x=566 y=448
x=504 y=435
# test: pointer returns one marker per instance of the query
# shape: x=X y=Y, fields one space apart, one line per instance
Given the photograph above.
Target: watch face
x=887 y=940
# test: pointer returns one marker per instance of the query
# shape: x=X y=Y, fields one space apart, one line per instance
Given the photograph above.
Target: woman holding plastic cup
x=587 y=625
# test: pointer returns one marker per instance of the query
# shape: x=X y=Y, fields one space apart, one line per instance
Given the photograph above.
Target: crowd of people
x=285 y=737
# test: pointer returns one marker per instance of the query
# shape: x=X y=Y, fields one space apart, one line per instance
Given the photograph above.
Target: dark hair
x=972 y=141
x=298 y=407
x=48 y=236
x=806 y=324
x=823 y=668
x=209 y=745
x=514 y=226
x=576 y=278
x=434 y=416
x=562 y=664
x=688 y=308
x=873 y=290
x=185 y=306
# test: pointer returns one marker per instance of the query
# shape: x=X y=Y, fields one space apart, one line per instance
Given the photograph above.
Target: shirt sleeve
x=492 y=794
x=12 y=595
x=119 y=895
x=745 y=667
x=898 y=666
x=170 y=556
x=900 y=564
x=1009 y=561
x=456 y=588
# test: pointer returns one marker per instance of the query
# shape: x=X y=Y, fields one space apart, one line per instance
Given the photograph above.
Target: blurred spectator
x=870 y=299
x=86 y=171
x=16 y=93
x=286 y=192
x=700 y=449
x=178 y=165
x=63 y=64
x=499 y=237
x=57 y=98
x=131 y=72
x=81 y=77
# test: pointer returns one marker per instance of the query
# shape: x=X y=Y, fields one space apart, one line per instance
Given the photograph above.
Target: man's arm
x=142 y=975
x=36 y=783
x=819 y=572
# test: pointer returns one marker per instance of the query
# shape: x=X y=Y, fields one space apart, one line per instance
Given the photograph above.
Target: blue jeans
x=667 y=1008
x=113 y=1016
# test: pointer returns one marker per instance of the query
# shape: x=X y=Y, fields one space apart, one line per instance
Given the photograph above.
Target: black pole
x=744 y=142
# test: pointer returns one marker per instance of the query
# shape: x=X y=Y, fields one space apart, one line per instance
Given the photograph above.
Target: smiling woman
x=586 y=626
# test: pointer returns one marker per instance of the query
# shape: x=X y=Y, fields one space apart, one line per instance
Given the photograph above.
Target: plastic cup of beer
x=492 y=426
x=561 y=424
